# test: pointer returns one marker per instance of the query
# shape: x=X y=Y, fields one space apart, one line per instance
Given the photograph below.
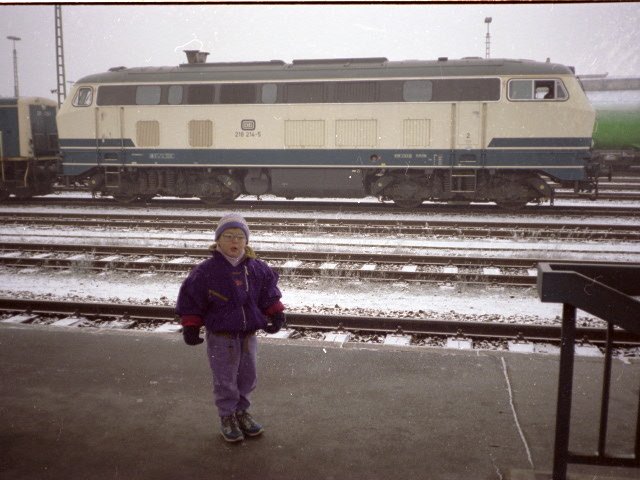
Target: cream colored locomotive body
x=409 y=131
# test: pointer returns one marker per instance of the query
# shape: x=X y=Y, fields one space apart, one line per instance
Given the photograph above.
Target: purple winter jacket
x=227 y=298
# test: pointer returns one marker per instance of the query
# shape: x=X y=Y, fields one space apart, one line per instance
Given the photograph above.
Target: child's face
x=232 y=242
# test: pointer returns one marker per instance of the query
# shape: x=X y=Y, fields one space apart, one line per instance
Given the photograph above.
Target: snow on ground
x=393 y=298
x=320 y=294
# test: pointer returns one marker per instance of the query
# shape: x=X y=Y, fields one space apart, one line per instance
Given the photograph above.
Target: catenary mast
x=62 y=84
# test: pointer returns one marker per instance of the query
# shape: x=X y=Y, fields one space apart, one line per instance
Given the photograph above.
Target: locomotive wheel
x=406 y=194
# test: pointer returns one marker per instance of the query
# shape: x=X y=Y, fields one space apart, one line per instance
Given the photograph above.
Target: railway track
x=425 y=229
x=388 y=267
x=332 y=207
x=110 y=315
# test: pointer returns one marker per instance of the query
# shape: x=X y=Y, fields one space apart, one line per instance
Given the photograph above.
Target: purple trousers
x=233 y=363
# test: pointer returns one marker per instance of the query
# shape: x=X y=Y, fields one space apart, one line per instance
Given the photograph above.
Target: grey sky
x=595 y=38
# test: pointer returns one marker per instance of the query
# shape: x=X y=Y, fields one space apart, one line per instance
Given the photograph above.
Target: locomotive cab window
x=117 y=95
x=537 y=90
x=84 y=97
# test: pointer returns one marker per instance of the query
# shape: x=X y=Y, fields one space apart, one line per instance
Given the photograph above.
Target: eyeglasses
x=230 y=237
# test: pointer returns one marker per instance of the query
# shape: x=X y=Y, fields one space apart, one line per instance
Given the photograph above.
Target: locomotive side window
x=466 y=90
x=238 y=93
x=417 y=91
x=200 y=94
x=390 y=91
x=362 y=91
x=356 y=92
x=117 y=95
x=84 y=97
x=174 y=95
x=311 y=92
x=269 y=93
x=537 y=90
x=148 y=95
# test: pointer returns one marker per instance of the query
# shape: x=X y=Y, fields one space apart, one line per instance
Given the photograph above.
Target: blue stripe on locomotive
x=567 y=164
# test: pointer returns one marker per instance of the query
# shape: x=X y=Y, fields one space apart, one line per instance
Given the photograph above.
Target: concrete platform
x=80 y=403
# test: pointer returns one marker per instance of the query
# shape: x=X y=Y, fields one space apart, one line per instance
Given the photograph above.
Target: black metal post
x=565 y=391
x=637 y=446
x=606 y=388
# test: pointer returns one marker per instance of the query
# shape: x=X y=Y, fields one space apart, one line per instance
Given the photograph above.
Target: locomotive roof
x=377 y=67
x=4 y=101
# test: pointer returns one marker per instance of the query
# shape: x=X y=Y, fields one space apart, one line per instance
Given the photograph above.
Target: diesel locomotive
x=28 y=146
x=473 y=129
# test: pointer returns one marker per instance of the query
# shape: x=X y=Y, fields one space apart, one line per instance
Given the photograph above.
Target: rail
x=605 y=291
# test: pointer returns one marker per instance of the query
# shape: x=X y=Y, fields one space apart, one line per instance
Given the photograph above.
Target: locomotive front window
x=84 y=97
x=561 y=92
x=148 y=95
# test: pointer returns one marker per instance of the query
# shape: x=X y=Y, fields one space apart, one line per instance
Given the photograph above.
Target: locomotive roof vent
x=196 y=56
x=443 y=59
x=117 y=69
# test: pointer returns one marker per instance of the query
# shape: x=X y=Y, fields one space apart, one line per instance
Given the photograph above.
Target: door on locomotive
x=110 y=149
x=466 y=138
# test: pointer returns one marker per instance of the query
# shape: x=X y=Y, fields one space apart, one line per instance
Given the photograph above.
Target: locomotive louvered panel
x=304 y=133
x=148 y=133
x=353 y=92
x=200 y=133
x=356 y=133
x=417 y=132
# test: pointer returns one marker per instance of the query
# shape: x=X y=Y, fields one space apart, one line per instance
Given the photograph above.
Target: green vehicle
x=616 y=135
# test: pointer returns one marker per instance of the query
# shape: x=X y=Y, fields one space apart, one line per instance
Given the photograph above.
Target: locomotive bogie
x=406 y=131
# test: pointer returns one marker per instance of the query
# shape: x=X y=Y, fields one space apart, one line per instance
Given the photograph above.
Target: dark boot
x=248 y=425
x=230 y=429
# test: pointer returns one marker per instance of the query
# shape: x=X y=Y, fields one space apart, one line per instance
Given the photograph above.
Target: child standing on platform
x=232 y=294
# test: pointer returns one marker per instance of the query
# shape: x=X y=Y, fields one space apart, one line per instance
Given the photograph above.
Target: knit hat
x=232 y=220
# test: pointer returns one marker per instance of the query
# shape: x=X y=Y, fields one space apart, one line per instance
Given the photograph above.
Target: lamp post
x=16 y=89
x=487 y=43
